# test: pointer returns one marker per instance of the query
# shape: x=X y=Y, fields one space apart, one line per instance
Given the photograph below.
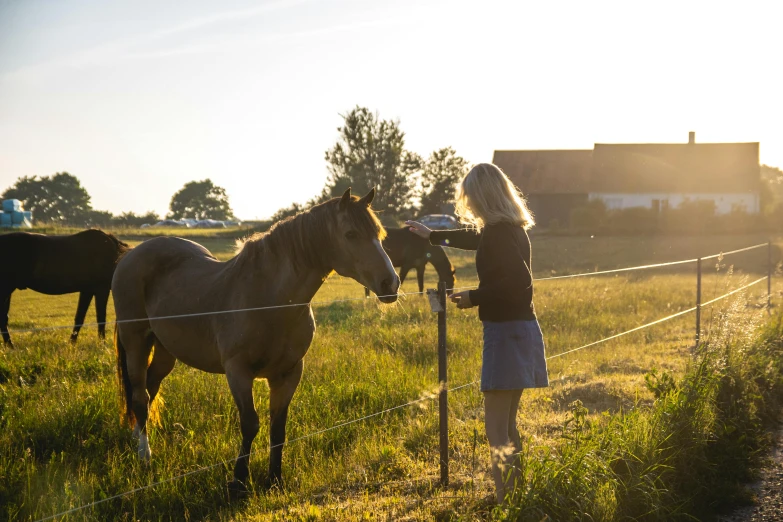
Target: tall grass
x=62 y=446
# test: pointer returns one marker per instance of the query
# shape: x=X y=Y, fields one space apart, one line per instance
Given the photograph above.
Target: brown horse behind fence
x=55 y=265
x=409 y=251
x=171 y=276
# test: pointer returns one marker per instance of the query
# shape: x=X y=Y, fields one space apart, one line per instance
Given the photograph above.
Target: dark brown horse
x=56 y=265
x=407 y=250
x=170 y=276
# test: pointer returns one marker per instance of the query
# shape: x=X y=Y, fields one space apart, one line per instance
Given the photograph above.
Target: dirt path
x=768 y=491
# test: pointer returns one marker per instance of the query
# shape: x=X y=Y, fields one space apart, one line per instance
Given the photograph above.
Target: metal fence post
x=769 y=277
x=443 y=396
x=698 y=302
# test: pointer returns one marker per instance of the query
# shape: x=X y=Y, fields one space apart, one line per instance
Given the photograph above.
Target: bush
x=774 y=219
x=688 y=455
x=739 y=221
x=132 y=220
x=636 y=220
x=589 y=217
x=691 y=217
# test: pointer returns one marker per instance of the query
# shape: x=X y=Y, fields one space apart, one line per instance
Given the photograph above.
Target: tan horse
x=170 y=276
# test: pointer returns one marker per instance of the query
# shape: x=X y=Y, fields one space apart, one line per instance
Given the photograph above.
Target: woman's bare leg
x=497 y=405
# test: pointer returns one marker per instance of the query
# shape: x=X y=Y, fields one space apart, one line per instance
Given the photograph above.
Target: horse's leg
x=161 y=365
x=137 y=355
x=420 y=276
x=240 y=381
x=101 y=300
x=5 y=305
x=81 y=310
x=281 y=390
x=404 y=269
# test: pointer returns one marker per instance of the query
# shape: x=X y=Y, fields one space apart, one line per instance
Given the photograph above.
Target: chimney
x=691 y=138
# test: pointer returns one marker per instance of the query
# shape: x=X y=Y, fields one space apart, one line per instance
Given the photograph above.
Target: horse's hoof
x=237 y=490
x=144 y=452
x=144 y=455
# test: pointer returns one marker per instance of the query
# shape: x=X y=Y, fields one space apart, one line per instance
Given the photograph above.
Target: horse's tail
x=126 y=389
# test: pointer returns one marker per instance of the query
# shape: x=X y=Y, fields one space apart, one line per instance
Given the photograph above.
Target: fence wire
x=324 y=303
x=388 y=410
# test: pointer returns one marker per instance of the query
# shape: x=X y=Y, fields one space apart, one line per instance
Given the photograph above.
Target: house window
x=739 y=206
x=659 y=205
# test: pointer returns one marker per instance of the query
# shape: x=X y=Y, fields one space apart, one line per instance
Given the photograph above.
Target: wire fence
x=203 y=314
x=428 y=397
x=350 y=299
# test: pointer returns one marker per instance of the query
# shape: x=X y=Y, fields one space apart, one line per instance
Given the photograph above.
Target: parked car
x=209 y=223
x=439 y=221
x=169 y=223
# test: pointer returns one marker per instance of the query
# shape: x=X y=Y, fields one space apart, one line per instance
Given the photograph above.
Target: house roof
x=635 y=168
x=693 y=167
x=547 y=171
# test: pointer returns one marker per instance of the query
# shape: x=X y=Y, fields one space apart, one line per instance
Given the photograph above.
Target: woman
x=513 y=357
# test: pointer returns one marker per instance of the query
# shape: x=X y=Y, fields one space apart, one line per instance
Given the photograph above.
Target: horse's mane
x=122 y=247
x=306 y=238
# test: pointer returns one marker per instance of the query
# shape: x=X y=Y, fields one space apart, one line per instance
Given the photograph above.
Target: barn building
x=650 y=175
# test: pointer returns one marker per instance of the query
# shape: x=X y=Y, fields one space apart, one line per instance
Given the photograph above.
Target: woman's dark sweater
x=505 y=291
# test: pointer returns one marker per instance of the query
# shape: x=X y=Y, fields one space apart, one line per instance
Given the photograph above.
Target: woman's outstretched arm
x=465 y=239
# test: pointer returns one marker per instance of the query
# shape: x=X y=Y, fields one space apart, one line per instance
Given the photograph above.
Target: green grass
x=63 y=445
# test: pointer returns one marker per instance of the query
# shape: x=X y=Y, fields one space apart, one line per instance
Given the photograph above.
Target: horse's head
x=358 y=254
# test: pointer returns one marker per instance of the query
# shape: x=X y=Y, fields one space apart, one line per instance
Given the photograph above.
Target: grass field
x=62 y=445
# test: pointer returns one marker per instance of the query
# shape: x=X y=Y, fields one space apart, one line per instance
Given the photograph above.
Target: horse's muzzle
x=388 y=289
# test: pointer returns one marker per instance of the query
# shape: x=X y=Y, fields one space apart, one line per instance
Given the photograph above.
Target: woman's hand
x=462 y=299
x=419 y=229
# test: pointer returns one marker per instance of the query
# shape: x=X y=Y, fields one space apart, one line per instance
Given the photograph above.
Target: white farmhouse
x=661 y=176
x=658 y=176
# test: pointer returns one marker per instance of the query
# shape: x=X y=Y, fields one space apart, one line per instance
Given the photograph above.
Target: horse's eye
x=351 y=235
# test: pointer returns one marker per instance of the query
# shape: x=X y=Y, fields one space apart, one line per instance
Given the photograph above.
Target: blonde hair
x=486 y=196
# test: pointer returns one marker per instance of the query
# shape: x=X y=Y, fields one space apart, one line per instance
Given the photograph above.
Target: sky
x=138 y=98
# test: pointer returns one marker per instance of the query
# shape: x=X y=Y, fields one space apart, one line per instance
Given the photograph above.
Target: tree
x=200 y=200
x=59 y=198
x=132 y=220
x=97 y=218
x=292 y=210
x=439 y=178
x=370 y=152
x=771 y=187
x=771 y=174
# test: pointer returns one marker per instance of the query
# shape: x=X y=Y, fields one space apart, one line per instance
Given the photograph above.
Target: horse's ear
x=345 y=199
x=369 y=197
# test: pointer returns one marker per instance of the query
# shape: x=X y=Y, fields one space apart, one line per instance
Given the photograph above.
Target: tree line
x=369 y=152
x=61 y=199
